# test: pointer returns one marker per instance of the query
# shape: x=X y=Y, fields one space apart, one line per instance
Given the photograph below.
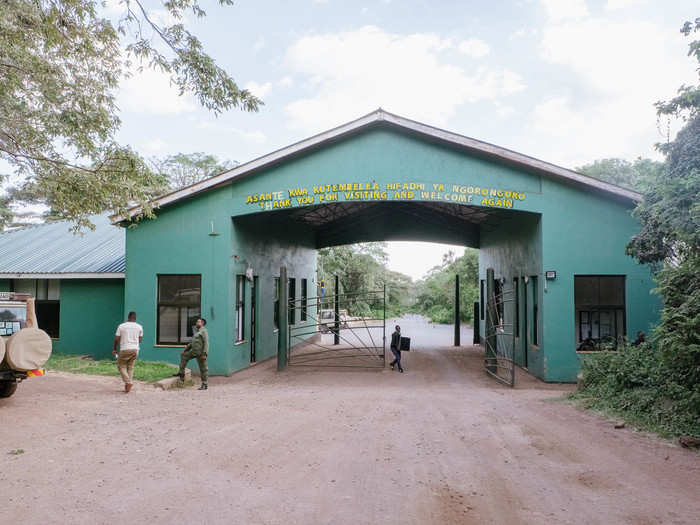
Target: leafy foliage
x=362 y=267
x=658 y=385
x=60 y=64
x=184 y=169
x=435 y=292
x=636 y=384
x=620 y=172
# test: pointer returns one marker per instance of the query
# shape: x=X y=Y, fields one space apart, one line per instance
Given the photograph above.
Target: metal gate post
x=477 y=324
x=282 y=319
x=457 y=316
x=490 y=336
x=336 y=298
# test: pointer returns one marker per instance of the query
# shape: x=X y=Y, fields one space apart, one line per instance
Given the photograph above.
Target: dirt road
x=441 y=443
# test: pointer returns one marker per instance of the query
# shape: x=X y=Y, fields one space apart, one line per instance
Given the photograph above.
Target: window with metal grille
x=240 y=308
x=600 y=311
x=292 y=301
x=304 y=299
x=179 y=307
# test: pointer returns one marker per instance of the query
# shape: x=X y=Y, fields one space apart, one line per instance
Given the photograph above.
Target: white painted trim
x=382 y=116
x=113 y=275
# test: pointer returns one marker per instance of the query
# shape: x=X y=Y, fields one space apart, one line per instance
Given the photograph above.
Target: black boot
x=181 y=376
x=203 y=387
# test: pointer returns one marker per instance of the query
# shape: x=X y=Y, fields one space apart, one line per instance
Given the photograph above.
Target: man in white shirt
x=128 y=337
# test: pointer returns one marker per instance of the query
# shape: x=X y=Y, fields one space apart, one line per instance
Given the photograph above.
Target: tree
x=60 y=64
x=184 y=169
x=435 y=292
x=670 y=235
x=622 y=172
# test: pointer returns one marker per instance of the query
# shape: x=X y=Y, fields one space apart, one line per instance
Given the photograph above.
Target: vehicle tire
x=7 y=388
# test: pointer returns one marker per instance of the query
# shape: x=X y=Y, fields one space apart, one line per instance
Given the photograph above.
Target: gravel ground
x=441 y=443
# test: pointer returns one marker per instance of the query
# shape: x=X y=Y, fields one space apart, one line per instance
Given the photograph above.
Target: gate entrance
x=345 y=330
x=499 y=340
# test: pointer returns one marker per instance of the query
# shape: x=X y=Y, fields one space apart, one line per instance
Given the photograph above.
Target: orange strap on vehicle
x=35 y=373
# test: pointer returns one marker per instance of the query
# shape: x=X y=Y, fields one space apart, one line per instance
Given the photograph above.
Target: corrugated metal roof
x=51 y=248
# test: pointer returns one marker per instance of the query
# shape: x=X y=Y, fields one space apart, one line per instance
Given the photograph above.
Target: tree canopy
x=621 y=172
x=184 y=169
x=60 y=64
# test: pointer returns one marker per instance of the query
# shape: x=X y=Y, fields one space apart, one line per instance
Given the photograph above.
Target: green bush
x=637 y=384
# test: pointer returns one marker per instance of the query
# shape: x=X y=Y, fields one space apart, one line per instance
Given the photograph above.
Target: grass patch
x=147 y=371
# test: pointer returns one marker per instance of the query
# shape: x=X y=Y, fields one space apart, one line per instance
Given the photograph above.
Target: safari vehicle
x=24 y=348
x=327 y=319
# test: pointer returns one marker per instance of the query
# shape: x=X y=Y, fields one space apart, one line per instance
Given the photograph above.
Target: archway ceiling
x=350 y=222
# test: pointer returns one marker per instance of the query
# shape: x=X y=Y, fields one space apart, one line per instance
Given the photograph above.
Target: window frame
x=304 y=292
x=276 y=303
x=159 y=342
x=292 y=297
x=595 y=311
x=40 y=302
x=240 y=308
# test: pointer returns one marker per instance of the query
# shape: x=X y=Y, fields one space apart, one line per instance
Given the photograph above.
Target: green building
x=77 y=280
x=554 y=238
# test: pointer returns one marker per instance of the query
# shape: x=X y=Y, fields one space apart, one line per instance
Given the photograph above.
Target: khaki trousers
x=125 y=364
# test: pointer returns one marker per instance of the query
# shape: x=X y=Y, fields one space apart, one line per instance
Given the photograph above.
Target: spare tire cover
x=28 y=349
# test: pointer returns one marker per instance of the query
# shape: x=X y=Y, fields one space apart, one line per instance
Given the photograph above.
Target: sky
x=567 y=81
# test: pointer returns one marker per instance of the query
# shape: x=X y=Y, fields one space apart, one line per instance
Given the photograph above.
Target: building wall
x=91 y=309
x=556 y=226
x=198 y=237
x=515 y=251
x=585 y=233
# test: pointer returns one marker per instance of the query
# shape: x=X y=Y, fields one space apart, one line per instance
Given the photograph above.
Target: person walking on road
x=396 y=348
x=197 y=349
x=128 y=337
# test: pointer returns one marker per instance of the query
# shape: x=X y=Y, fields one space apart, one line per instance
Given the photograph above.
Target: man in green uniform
x=197 y=349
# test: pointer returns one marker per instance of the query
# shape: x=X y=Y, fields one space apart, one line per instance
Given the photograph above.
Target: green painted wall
x=4 y=285
x=584 y=232
x=90 y=311
x=515 y=250
x=570 y=229
x=180 y=241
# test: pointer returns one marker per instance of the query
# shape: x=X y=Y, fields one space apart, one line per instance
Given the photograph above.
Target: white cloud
x=558 y=10
x=255 y=136
x=622 y=68
x=259 y=44
x=286 y=81
x=150 y=91
x=354 y=72
x=155 y=146
x=259 y=90
x=474 y=47
x=613 y=5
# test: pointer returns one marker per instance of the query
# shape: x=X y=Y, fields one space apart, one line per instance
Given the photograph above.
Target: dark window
x=304 y=299
x=516 y=317
x=277 y=303
x=179 y=307
x=240 y=307
x=498 y=298
x=46 y=293
x=535 y=313
x=292 y=300
x=526 y=312
x=481 y=300
x=600 y=311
